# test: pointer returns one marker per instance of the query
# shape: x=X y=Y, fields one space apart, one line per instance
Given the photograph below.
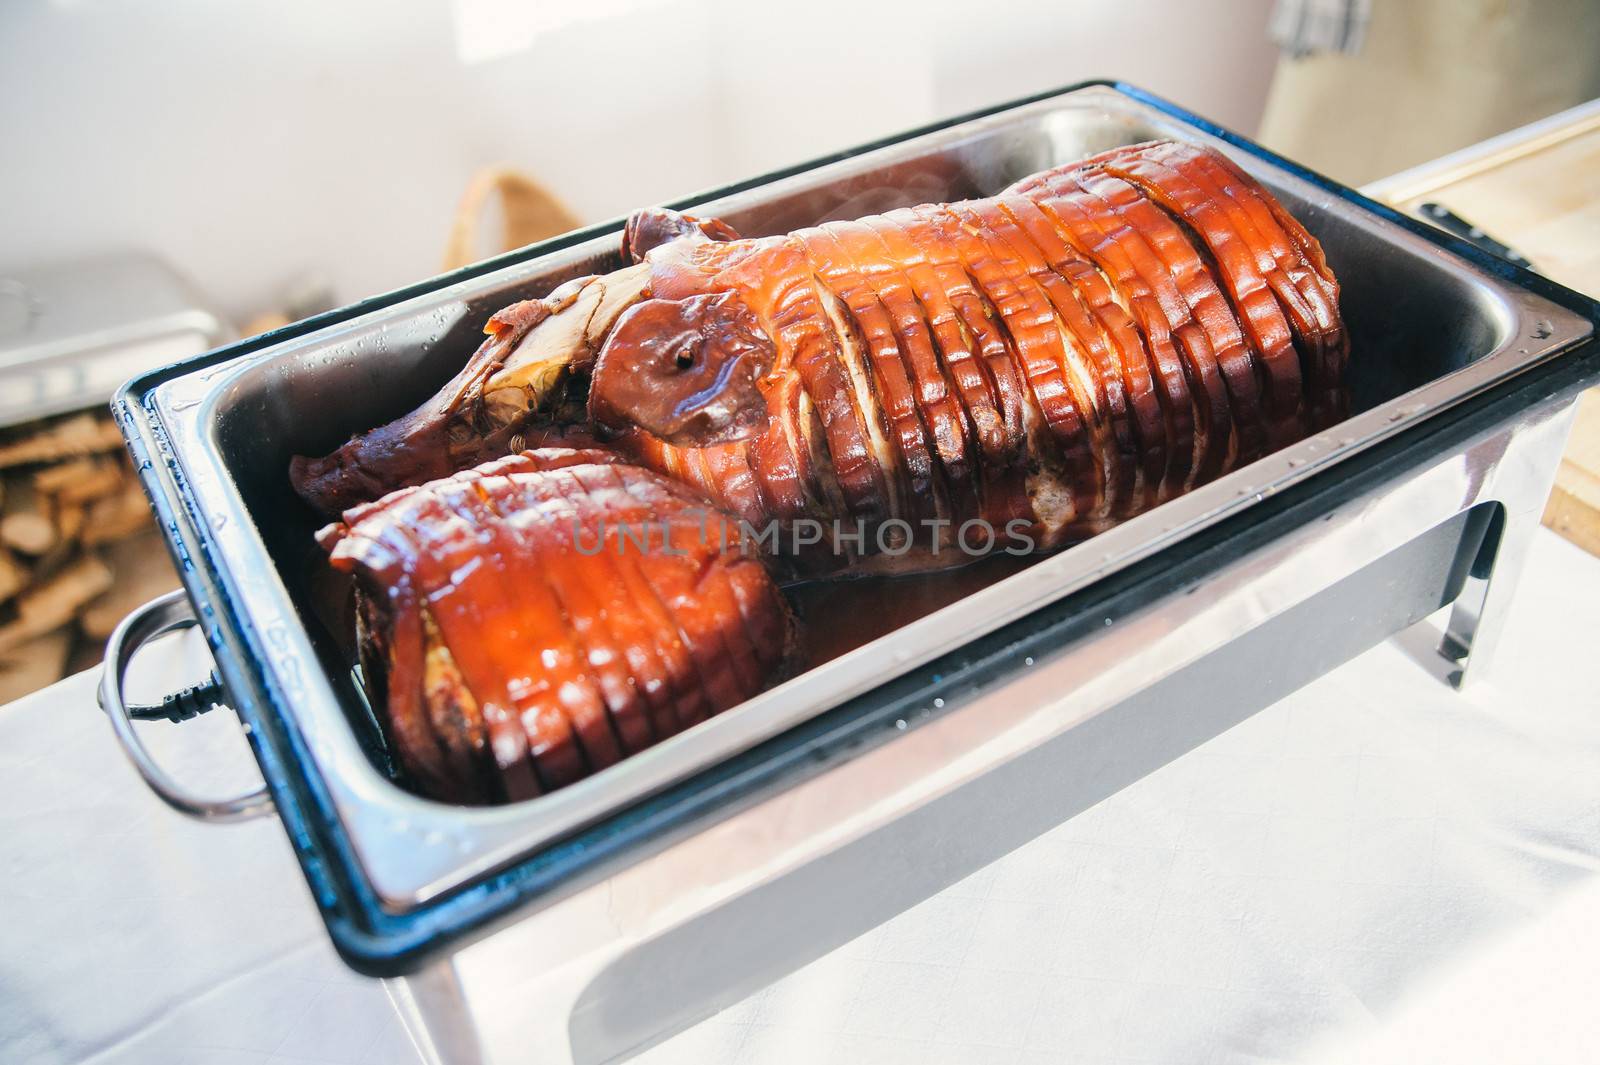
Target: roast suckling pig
x=1045 y=362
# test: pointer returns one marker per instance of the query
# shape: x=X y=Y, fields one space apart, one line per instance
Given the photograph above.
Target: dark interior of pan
x=1411 y=322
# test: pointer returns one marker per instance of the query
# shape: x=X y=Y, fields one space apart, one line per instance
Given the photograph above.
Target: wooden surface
x=1537 y=190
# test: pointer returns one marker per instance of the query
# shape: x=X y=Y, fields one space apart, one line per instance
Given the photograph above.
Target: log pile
x=78 y=549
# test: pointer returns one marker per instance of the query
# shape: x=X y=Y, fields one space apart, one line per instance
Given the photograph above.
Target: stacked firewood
x=78 y=549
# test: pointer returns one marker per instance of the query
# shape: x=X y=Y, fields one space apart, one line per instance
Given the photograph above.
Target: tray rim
x=334 y=868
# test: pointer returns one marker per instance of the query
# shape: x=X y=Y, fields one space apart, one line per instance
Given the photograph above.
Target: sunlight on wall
x=489 y=29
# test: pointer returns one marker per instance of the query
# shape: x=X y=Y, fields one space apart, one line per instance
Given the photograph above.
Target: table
x=1376 y=868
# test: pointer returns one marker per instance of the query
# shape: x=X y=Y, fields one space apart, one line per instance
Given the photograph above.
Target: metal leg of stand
x=1523 y=479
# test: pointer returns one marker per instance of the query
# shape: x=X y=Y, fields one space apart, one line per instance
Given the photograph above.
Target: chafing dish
x=593 y=921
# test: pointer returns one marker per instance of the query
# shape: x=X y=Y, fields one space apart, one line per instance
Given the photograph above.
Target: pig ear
x=684 y=370
x=651 y=227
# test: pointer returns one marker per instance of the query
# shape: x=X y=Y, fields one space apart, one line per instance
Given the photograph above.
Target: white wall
x=253 y=141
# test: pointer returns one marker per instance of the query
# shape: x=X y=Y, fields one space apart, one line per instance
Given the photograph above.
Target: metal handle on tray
x=156 y=618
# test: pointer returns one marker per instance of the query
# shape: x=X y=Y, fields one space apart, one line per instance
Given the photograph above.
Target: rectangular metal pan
x=396 y=874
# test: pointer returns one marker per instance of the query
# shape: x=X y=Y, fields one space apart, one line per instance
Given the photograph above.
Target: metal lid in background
x=70 y=333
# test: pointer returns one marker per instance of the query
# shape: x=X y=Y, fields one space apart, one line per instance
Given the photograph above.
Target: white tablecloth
x=1376 y=869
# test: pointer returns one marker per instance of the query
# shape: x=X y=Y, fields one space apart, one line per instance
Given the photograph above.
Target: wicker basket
x=529 y=212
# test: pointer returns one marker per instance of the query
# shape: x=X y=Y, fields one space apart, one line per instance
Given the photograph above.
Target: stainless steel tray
x=1430 y=331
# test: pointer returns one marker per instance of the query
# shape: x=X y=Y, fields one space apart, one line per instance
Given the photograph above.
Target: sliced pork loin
x=537 y=618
